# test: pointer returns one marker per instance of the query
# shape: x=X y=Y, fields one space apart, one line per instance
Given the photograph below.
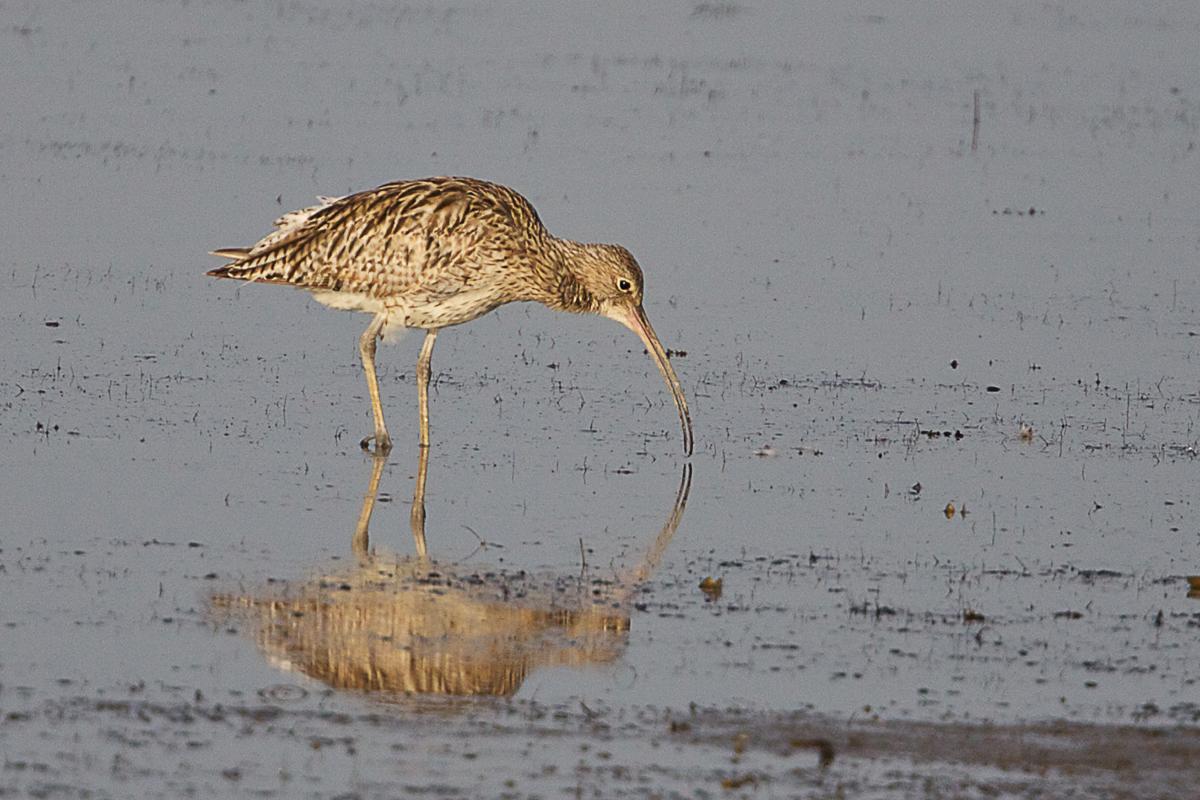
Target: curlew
x=438 y=252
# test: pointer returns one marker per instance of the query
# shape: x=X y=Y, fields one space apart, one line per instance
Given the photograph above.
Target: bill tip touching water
x=438 y=252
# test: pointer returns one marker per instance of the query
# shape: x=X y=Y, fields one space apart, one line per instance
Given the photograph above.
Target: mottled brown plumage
x=438 y=252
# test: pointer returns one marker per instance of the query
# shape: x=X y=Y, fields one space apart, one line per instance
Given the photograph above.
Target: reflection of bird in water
x=438 y=252
x=401 y=626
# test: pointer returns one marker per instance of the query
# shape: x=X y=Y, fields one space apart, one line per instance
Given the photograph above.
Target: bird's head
x=600 y=277
x=605 y=279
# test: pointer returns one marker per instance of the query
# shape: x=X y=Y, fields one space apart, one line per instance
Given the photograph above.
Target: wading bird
x=438 y=252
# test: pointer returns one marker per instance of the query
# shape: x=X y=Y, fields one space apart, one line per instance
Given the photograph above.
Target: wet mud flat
x=381 y=673
x=100 y=748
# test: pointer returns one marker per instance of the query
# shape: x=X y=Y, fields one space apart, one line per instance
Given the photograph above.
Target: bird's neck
x=557 y=281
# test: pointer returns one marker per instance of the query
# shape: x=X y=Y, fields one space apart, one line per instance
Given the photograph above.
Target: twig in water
x=975 y=125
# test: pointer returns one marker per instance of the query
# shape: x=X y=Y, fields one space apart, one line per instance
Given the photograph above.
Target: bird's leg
x=423 y=374
x=366 y=349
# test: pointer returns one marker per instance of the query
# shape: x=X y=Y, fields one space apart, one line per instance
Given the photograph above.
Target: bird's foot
x=383 y=444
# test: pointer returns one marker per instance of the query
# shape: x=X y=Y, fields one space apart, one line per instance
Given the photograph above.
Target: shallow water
x=876 y=322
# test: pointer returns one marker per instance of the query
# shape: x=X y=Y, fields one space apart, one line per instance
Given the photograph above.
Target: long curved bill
x=634 y=318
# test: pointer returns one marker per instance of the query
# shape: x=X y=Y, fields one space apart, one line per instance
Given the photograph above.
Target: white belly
x=350 y=301
x=422 y=312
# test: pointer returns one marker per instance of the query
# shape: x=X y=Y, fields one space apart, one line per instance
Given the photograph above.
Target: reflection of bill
x=409 y=625
x=1194 y=587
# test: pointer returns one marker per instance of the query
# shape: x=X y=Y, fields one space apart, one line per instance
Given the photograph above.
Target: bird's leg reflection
x=360 y=544
x=416 y=517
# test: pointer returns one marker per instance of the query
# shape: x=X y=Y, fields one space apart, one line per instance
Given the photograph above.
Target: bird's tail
x=228 y=270
x=250 y=265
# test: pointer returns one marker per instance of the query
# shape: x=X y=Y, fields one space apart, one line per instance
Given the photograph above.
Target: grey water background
x=848 y=281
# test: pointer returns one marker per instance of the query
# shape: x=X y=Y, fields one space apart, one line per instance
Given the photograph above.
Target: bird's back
x=426 y=239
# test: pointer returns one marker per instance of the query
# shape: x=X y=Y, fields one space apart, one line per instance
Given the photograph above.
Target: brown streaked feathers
x=437 y=252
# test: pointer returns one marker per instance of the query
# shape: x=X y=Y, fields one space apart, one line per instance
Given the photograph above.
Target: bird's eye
x=624 y=285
